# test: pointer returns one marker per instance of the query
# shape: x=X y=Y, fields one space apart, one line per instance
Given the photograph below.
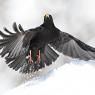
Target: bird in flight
x=31 y=50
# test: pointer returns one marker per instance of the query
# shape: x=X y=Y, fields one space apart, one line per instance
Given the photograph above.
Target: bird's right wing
x=15 y=45
x=71 y=46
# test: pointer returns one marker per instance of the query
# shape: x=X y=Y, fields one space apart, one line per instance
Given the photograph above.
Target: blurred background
x=76 y=17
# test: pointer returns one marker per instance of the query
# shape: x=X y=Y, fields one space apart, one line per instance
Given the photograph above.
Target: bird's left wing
x=71 y=46
x=15 y=45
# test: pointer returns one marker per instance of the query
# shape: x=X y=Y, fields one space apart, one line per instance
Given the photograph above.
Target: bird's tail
x=47 y=58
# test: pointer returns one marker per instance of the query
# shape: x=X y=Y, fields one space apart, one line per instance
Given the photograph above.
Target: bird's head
x=48 y=20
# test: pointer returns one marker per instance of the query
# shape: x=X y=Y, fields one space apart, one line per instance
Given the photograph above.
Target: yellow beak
x=46 y=14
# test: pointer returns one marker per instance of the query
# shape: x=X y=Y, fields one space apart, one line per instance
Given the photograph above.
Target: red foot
x=38 y=57
x=30 y=57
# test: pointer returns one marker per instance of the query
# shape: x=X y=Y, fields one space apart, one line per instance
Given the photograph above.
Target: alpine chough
x=30 y=50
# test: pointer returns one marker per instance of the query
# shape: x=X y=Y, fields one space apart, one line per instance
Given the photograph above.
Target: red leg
x=30 y=57
x=38 y=56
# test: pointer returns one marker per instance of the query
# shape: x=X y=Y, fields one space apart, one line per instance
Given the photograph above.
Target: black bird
x=30 y=50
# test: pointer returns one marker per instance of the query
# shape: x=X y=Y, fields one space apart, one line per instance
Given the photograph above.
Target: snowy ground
x=69 y=79
x=75 y=77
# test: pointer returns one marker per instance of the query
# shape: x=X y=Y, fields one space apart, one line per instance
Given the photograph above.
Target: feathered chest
x=43 y=37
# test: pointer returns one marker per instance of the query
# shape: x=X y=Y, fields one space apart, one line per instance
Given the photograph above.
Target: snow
x=72 y=77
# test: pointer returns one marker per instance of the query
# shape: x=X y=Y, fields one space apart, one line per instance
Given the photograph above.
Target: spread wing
x=71 y=46
x=15 y=46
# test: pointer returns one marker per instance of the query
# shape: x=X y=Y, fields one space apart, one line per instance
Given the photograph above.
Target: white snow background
x=74 y=77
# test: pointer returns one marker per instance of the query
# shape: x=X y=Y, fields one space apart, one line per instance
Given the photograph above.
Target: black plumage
x=30 y=50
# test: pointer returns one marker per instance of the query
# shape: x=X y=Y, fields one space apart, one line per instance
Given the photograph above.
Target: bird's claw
x=29 y=57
